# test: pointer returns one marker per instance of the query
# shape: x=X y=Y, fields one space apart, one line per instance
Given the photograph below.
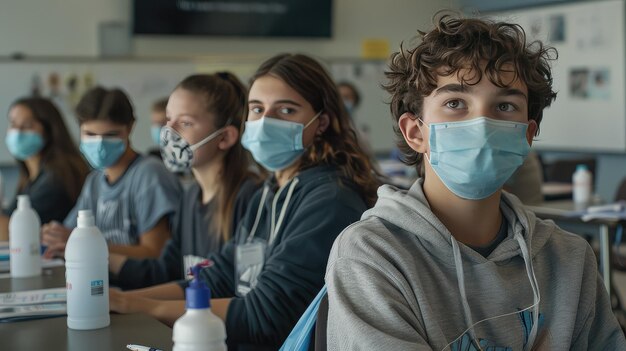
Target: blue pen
x=141 y=348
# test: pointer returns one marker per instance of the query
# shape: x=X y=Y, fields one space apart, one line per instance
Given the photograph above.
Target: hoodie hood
x=409 y=210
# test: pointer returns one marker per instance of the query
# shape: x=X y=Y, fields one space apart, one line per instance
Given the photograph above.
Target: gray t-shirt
x=47 y=196
x=132 y=205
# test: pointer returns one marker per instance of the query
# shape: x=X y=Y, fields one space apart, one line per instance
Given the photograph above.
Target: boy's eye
x=455 y=104
x=256 y=109
x=506 y=107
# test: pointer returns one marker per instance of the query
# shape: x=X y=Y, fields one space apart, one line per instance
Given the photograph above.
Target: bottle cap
x=581 y=167
x=23 y=202
x=197 y=295
x=85 y=219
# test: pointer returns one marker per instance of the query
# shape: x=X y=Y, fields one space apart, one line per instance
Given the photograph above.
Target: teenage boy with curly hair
x=454 y=263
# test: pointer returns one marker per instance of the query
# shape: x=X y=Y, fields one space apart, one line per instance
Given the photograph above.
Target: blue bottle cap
x=198 y=295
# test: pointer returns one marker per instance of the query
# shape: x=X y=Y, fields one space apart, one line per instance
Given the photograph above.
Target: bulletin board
x=372 y=116
x=589 y=113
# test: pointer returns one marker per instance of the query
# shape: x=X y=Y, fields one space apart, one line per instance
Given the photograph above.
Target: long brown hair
x=225 y=97
x=59 y=156
x=338 y=145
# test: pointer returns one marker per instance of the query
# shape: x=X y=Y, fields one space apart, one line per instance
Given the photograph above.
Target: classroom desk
x=553 y=191
x=558 y=210
x=53 y=334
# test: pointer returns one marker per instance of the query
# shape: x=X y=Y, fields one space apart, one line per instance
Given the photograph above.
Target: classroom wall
x=70 y=27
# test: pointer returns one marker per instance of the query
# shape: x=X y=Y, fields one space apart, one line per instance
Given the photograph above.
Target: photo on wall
x=599 y=84
x=578 y=83
x=590 y=83
x=556 y=28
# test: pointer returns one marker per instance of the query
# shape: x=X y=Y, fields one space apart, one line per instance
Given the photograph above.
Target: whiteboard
x=589 y=113
x=143 y=81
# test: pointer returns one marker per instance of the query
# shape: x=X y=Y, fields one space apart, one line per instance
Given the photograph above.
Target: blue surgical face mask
x=23 y=144
x=102 y=152
x=349 y=105
x=475 y=158
x=155 y=133
x=274 y=143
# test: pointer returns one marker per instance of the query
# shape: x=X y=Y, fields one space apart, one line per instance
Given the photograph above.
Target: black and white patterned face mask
x=177 y=153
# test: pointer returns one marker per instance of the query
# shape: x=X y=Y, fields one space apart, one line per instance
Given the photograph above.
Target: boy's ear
x=411 y=131
x=228 y=138
x=531 y=131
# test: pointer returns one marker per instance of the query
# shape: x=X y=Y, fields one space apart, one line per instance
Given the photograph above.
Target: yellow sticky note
x=375 y=49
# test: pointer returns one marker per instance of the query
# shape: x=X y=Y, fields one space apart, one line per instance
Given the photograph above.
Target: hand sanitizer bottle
x=199 y=329
x=24 y=242
x=582 y=185
x=87 y=276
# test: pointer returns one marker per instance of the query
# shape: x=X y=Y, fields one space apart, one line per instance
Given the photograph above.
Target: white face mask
x=176 y=152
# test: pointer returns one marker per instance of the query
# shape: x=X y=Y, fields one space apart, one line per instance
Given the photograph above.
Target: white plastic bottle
x=24 y=242
x=198 y=329
x=87 y=276
x=582 y=185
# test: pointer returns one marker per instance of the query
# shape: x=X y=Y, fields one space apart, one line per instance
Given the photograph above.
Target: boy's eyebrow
x=512 y=91
x=458 y=88
x=453 y=88
x=276 y=102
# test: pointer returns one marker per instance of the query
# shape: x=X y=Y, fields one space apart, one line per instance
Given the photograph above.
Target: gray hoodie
x=397 y=280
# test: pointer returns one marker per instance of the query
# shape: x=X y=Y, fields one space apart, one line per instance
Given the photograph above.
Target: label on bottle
x=97 y=288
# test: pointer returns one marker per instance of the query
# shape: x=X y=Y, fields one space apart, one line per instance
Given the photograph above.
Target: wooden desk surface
x=53 y=334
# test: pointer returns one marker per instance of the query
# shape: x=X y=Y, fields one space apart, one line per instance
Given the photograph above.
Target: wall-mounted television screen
x=243 y=18
x=503 y=5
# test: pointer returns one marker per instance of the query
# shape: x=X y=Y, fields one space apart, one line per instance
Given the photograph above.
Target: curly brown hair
x=455 y=44
x=338 y=145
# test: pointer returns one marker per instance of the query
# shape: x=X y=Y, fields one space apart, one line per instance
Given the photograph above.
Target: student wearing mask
x=158 y=120
x=131 y=196
x=52 y=171
x=321 y=183
x=454 y=263
x=206 y=118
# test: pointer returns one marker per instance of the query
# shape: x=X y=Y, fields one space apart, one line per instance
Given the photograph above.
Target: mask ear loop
x=313 y=119
x=211 y=136
x=425 y=153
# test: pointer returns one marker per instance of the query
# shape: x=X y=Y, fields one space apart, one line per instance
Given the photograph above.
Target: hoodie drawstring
x=274 y=225
x=460 y=277
x=526 y=255
x=530 y=271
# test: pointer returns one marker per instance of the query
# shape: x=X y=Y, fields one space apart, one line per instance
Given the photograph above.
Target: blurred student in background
x=206 y=119
x=132 y=197
x=52 y=171
x=158 y=120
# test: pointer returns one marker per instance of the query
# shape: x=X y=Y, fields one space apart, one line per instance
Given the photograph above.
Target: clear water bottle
x=199 y=329
x=87 y=276
x=24 y=240
x=582 y=185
